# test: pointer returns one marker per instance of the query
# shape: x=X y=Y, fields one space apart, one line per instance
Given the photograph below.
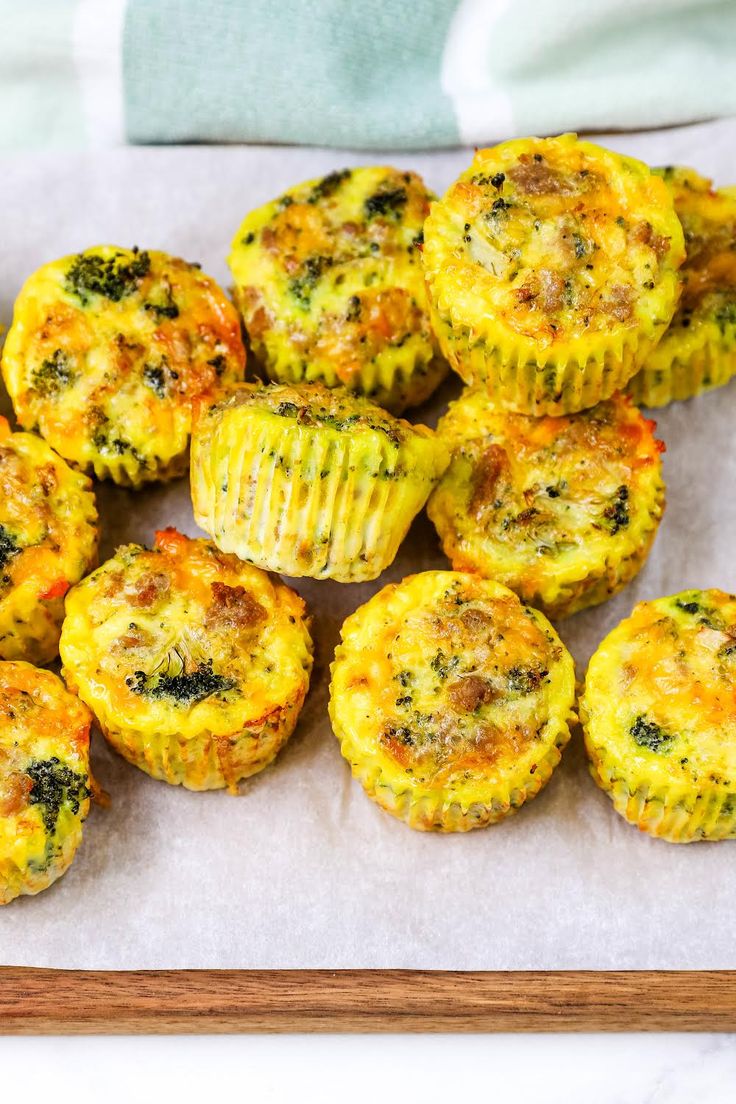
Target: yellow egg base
x=684 y=365
x=559 y=586
x=657 y=793
x=672 y=813
x=206 y=761
x=562 y=596
x=26 y=868
x=434 y=812
x=21 y=881
x=212 y=742
x=477 y=802
x=526 y=372
x=127 y=472
x=30 y=627
x=398 y=379
x=518 y=374
x=559 y=599
x=157 y=437
x=347 y=525
x=396 y=375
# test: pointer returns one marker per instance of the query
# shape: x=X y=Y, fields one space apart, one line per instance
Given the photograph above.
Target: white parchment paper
x=303 y=870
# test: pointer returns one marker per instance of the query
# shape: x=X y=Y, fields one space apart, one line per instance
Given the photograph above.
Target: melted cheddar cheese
x=659 y=713
x=329 y=284
x=451 y=700
x=196 y=665
x=107 y=352
x=548 y=253
x=698 y=350
x=310 y=480
x=48 y=541
x=45 y=783
x=561 y=510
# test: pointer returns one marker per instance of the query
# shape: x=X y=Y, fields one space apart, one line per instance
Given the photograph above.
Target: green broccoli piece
x=525 y=680
x=184 y=688
x=647 y=734
x=167 y=309
x=55 y=785
x=688 y=607
x=384 y=203
x=328 y=185
x=443 y=665
x=617 y=513
x=107 y=444
x=302 y=286
x=155 y=378
x=112 y=277
x=8 y=546
x=53 y=375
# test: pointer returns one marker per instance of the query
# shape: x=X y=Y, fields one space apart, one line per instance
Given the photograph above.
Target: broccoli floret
x=334 y=421
x=580 y=244
x=647 y=734
x=617 y=513
x=53 y=375
x=108 y=444
x=155 y=378
x=384 y=203
x=54 y=785
x=525 y=680
x=328 y=185
x=167 y=309
x=350 y=420
x=113 y=277
x=184 y=688
x=301 y=287
x=688 y=607
x=400 y=734
x=443 y=665
x=8 y=546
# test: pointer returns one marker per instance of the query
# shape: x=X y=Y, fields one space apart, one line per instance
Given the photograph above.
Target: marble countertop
x=322 y=1069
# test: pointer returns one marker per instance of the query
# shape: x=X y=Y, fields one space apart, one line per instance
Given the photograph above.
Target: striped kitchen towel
x=402 y=74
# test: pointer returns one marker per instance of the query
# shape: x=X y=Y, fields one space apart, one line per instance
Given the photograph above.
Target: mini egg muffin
x=48 y=541
x=195 y=665
x=310 y=480
x=552 y=267
x=561 y=510
x=45 y=781
x=451 y=700
x=330 y=287
x=698 y=350
x=659 y=716
x=107 y=352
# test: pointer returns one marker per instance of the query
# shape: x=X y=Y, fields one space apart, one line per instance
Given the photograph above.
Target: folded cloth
x=388 y=74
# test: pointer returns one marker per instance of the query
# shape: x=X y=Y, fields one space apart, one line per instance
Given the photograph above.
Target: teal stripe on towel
x=332 y=72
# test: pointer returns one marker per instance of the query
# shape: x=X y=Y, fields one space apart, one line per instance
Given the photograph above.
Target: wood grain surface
x=36 y=1001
